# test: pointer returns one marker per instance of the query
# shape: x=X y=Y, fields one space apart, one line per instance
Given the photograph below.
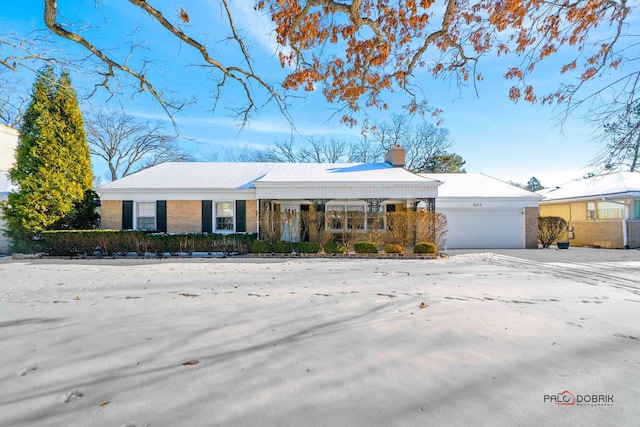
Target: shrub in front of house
x=122 y=242
x=261 y=247
x=425 y=248
x=283 y=247
x=308 y=248
x=549 y=229
x=333 y=248
x=365 y=248
x=393 y=248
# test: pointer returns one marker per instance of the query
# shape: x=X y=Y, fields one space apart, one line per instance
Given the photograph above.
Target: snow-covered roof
x=621 y=184
x=200 y=175
x=477 y=185
x=283 y=181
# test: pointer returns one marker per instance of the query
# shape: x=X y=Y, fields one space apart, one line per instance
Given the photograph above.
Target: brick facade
x=602 y=233
x=531 y=227
x=111 y=215
x=252 y=216
x=634 y=233
x=184 y=216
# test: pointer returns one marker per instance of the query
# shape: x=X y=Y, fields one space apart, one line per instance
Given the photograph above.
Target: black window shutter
x=241 y=216
x=207 y=216
x=161 y=215
x=127 y=214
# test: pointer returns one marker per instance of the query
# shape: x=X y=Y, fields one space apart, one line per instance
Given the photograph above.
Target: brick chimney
x=396 y=156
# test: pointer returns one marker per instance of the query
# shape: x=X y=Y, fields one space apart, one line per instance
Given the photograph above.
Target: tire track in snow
x=591 y=274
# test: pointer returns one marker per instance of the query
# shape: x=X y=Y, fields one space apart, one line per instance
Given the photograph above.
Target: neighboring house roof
x=621 y=184
x=477 y=186
x=279 y=180
x=6 y=185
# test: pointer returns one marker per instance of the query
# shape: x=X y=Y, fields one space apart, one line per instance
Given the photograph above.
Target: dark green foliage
x=111 y=242
x=308 y=248
x=84 y=215
x=549 y=228
x=53 y=167
x=393 y=249
x=333 y=248
x=446 y=163
x=534 y=184
x=425 y=248
x=365 y=248
x=262 y=247
x=282 y=247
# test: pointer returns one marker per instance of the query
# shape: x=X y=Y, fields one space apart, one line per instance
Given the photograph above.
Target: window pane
x=146 y=223
x=636 y=209
x=146 y=216
x=591 y=210
x=224 y=223
x=224 y=216
x=355 y=217
x=147 y=209
x=608 y=210
x=224 y=209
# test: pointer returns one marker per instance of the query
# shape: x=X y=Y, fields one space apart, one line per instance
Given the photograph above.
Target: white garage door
x=485 y=228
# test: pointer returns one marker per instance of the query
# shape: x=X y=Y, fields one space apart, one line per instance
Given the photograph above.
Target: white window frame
x=343 y=206
x=603 y=209
x=215 y=217
x=138 y=217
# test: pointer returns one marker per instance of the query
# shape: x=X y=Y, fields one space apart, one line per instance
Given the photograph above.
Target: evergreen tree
x=446 y=163
x=53 y=165
x=534 y=184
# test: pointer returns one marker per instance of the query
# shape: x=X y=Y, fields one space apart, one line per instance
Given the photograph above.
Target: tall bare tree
x=128 y=145
x=424 y=144
x=622 y=137
x=320 y=150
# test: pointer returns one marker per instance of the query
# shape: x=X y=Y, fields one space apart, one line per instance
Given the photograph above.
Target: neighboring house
x=8 y=144
x=230 y=197
x=602 y=211
x=484 y=212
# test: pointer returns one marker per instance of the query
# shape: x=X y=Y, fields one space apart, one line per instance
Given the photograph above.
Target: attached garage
x=486 y=213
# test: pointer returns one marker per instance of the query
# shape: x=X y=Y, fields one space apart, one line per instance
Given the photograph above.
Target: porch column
x=264 y=209
x=320 y=206
x=429 y=206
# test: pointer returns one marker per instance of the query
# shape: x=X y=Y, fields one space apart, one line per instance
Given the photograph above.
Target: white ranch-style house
x=230 y=197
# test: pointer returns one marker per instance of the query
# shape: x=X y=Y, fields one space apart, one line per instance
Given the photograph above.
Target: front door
x=291 y=223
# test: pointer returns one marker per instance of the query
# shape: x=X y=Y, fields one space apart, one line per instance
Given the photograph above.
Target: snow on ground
x=476 y=339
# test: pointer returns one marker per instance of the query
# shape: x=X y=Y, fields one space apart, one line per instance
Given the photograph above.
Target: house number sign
x=477 y=205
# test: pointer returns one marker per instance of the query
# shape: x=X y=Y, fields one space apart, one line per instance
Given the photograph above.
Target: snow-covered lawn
x=477 y=339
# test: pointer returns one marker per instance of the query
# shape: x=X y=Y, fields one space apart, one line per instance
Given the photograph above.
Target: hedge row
x=111 y=242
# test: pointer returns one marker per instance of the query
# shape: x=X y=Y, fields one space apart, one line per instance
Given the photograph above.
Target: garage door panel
x=484 y=228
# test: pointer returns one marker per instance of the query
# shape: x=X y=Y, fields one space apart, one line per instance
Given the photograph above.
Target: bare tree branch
x=128 y=145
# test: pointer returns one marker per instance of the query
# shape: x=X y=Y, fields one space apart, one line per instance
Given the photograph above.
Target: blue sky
x=495 y=136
